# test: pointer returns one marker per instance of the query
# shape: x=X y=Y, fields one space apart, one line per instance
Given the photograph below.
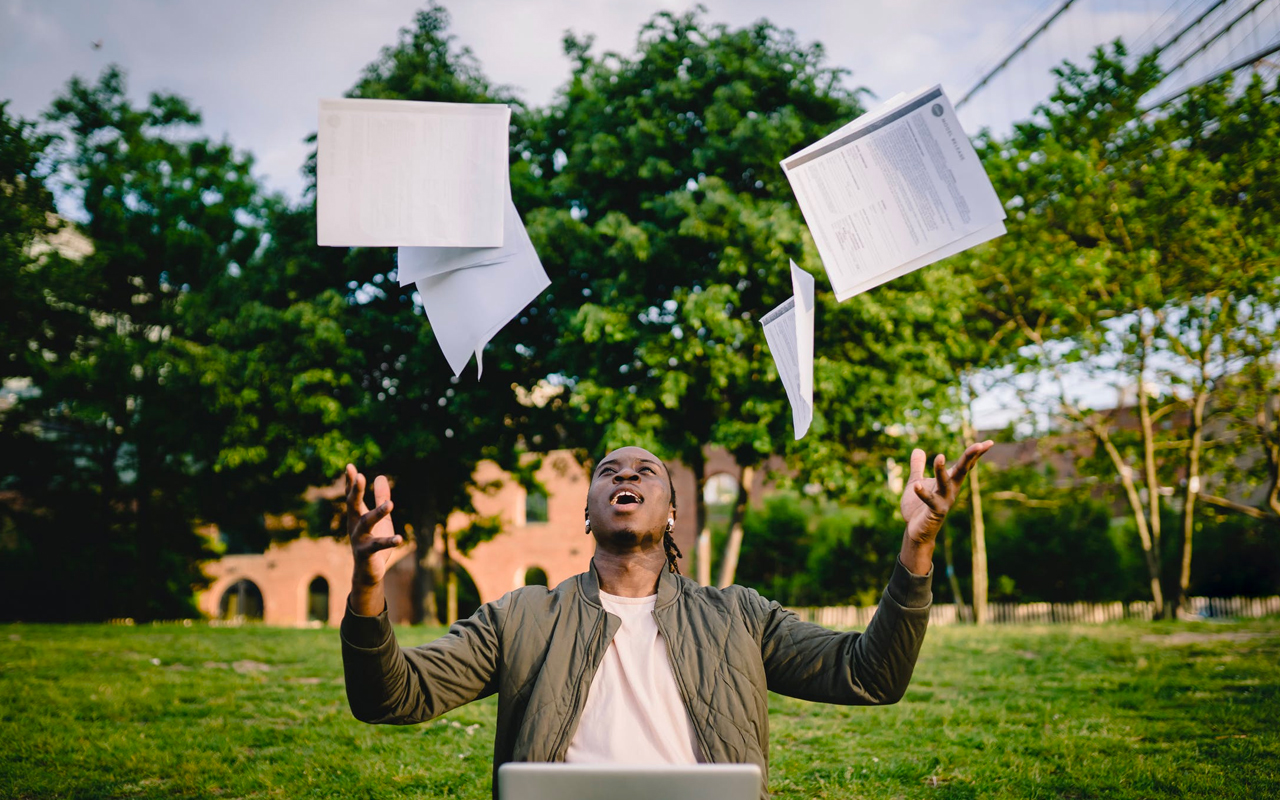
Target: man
x=631 y=662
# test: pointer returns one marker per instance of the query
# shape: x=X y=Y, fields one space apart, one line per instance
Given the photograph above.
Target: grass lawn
x=1126 y=710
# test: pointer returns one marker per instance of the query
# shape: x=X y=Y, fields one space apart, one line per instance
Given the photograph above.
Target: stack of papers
x=893 y=191
x=431 y=179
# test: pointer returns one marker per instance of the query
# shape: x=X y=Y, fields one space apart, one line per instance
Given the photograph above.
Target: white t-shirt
x=634 y=714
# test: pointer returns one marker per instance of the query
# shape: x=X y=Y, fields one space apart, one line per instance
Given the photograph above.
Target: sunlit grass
x=1075 y=712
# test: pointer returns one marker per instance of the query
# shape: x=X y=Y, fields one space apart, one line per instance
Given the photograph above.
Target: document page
x=899 y=189
x=467 y=306
x=397 y=173
x=415 y=263
x=789 y=331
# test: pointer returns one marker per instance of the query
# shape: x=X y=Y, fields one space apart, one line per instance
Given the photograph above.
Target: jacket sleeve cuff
x=366 y=633
x=907 y=588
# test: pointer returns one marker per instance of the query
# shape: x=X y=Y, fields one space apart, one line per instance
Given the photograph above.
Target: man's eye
x=648 y=470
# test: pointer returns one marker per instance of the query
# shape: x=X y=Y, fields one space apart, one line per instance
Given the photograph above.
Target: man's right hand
x=372 y=537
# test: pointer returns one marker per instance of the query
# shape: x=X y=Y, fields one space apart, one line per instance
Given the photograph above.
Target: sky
x=256 y=68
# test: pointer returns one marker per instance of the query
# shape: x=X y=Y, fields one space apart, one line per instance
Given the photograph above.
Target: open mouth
x=625 y=497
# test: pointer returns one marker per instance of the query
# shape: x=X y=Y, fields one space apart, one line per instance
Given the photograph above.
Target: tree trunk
x=732 y=547
x=1149 y=553
x=426 y=568
x=704 y=558
x=979 y=549
x=979 y=534
x=450 y=584
x=698 y=464
x=1149 y=454
x=1271 y=448
x=1179 y=595
x=962 y=613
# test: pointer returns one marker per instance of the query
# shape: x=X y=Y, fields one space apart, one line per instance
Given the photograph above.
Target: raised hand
x=926 y=501
x=371 y=533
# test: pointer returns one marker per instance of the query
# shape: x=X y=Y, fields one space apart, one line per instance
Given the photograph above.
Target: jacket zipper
x=684 y=698
x=562 y=745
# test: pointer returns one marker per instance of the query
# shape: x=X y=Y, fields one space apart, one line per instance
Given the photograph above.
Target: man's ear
x=672 y=513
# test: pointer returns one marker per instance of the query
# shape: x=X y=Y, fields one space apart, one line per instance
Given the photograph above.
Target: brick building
x=306 y=581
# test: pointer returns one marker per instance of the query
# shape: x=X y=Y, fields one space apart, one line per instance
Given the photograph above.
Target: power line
x=1150 y=36
x=1021 y=46
x=1212 y=7
x=1274 y=47
x=1023 y=29
x=1215 y=37
x=1254 y=32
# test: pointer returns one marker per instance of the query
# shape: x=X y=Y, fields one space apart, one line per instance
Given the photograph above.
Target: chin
x=624 y=538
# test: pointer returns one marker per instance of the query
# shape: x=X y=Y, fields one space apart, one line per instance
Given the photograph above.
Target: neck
x=629 y=574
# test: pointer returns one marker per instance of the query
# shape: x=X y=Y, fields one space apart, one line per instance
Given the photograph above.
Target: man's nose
x=626 y=474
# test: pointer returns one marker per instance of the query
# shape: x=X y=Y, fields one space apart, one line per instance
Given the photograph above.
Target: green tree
x=426 y=428
x=1133 y=252
x=26 y=260
x=662 y=168
x=166 y=394
x=100 y=438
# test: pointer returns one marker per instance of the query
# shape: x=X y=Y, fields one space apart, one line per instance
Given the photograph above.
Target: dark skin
x=629 y=555
x=628 y=506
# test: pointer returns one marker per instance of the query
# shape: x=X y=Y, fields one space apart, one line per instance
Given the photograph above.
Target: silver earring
x=587 y=525
x=671 y=525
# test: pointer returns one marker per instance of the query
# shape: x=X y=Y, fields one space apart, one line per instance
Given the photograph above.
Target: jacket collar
x=668 y=586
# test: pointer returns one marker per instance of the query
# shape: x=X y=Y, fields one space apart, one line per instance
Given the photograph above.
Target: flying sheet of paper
x=861 y=122
x=395 y=172
x=893 y=191
x=468 y=306
x=789 y=331
x=958 y=246
x=415 y=263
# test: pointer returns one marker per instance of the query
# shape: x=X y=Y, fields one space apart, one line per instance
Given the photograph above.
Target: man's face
x=630 y=498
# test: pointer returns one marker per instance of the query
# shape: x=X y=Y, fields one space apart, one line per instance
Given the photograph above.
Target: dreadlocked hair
x=668 y=541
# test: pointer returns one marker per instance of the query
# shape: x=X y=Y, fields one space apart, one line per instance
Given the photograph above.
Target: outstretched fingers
x=370 y=519
x=970 y=457
x=916 y=473
x=936 y=502
x=375 y=543
x=381 y=490
x=355 y=492
x=942 y=476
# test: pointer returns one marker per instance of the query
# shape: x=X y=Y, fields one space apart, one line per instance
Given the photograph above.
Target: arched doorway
x=241 y=600
x=535 y=576
x=318 y=601
x=719 y=494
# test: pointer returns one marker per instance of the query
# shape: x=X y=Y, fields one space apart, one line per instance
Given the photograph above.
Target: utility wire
x=1021 y=46
x=1212 y=7
x=991 y=54
x=1150 y=36
x=1274 y=47
x=1215 y=37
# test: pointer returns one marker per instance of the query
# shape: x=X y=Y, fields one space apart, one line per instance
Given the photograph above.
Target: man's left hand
x=926 y=501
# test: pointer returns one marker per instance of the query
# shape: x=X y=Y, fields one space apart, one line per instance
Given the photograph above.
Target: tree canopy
x=181 y=353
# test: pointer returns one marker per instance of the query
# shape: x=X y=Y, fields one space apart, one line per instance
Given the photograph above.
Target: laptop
x=522 y=781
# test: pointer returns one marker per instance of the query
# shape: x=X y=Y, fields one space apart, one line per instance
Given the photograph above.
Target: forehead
x=629 y=455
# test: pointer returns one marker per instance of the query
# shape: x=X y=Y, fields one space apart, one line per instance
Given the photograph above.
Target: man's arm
x=873 y=667
x=387 y=683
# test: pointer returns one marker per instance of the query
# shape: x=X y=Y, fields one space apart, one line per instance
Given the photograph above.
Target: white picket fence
x=1042 y=613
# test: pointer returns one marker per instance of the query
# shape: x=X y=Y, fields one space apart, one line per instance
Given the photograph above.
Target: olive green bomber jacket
x=538 y=649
